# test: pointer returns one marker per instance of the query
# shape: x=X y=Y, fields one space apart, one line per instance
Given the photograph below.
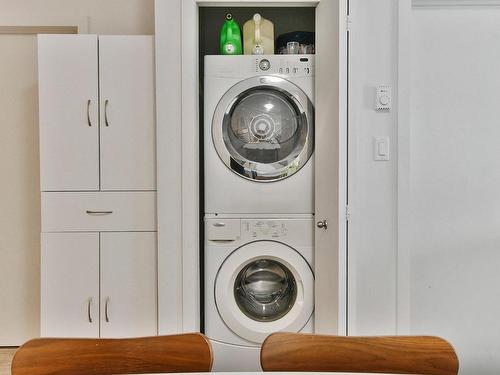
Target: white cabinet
x=97 y=112
x=68 y=105
x=128 y=284
x=70 y=284
x=98 y=181
x=126 y=84
x=98 y=284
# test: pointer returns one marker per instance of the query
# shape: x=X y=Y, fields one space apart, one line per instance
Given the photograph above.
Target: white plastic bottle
x=258 y=36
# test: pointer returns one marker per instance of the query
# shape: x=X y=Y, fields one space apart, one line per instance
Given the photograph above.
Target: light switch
x=381 y=150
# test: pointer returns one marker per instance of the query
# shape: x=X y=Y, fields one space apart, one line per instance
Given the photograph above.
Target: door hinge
x=347 y=213
x=348 y=22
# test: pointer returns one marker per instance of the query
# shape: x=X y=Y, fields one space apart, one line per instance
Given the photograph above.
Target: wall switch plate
x=383 y=100
x=381 y=148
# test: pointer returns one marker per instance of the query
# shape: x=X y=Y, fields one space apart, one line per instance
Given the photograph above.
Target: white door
x=128 y=284
x=70 y=285
x=328 y=199
x=68 y=104
x=126 y=80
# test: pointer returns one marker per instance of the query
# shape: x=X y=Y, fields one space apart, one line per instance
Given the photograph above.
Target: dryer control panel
x=246 y=66
x=285 y=65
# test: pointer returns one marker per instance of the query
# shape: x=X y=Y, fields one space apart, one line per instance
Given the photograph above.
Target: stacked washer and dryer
x=259 y=200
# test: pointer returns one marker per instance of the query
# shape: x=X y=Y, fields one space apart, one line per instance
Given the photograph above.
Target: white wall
x=455 y=181
x=373 y=185
x=19 y=163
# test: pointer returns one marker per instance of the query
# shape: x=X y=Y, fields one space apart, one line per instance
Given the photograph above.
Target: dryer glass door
x=263 y=128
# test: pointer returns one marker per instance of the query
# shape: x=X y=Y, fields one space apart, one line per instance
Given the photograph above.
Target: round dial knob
x=384 y=99
x=264 y=64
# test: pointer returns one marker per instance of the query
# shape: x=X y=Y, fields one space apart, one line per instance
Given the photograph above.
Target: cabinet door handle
x=88 y=113
x=106 y=306
x=89 y=309
x=106 y=102
x=92 y=212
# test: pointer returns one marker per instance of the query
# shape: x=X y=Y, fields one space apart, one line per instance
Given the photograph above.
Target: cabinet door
x=70 y=285
x=126 y=79
x=128 y=284
x=68 y=104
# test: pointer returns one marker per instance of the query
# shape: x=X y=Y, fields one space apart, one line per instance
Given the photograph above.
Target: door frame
x=15 y=24
x=403 y=167
x=179 y=161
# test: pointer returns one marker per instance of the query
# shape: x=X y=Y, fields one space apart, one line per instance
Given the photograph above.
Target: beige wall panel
x=105 y=17
x=20 y=208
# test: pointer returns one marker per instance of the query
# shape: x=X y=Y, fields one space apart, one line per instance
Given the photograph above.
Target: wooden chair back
x=176 y=353
x=425 y=355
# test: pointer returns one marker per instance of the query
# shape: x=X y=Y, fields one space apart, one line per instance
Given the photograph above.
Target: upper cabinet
x=126 y=86
x=97 y=113
x=69 y=113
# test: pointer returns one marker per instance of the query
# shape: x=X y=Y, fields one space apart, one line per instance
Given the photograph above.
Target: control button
x=264 y=64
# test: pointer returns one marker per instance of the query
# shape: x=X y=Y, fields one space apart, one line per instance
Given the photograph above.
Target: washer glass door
x=263 y=128
x=264 y=287
x=265 y=290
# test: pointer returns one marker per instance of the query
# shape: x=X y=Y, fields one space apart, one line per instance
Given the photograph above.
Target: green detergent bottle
x=230 y=37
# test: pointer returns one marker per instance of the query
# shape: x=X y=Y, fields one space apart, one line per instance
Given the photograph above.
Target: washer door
x=264 y=287
x=262 y=128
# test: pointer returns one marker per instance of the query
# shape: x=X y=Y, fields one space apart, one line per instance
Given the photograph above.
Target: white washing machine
x=258 y=280
x=259 y=134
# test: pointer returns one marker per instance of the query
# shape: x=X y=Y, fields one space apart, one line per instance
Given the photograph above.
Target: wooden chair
x=177 y=353
x=425 y=355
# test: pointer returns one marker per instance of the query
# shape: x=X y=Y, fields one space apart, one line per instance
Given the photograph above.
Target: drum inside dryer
x=264 y=126
x=263 y=129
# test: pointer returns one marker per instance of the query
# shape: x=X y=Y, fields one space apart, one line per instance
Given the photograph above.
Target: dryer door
x=262 y=128
x=264 y=287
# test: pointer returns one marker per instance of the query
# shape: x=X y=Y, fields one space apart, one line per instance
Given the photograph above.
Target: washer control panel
x=234 y=231
x=264 y=228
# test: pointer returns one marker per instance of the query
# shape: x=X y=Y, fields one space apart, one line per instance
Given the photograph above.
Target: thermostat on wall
x=384 y=98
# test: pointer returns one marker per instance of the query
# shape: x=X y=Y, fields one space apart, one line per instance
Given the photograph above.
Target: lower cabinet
x=98 y=284
x=70 y=285
x=128 y=284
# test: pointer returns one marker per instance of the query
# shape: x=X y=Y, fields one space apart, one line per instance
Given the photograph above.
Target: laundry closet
x=258 y=183
x=245 y=131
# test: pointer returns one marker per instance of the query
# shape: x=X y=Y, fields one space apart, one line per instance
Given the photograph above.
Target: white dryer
x=258 y=280
x=259 y=134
